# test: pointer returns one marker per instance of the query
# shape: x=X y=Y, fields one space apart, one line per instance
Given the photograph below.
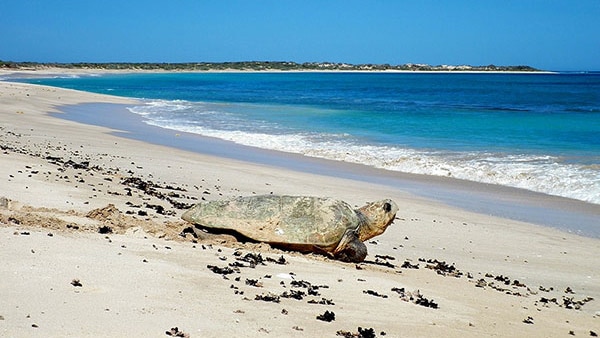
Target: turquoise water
x=539 y=132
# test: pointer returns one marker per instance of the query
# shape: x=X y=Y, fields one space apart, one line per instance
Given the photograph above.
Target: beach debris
x=528 y=320
x=323 y=301
x=175 y=332
x=221 y=271
x=362 y=333
x=253 y=259
x=367 y=333
x=76 y=283
x=327 y=316
x=295 y=294
x=442 y=268
x=236 y=289
x=381 y=261
x=254 y=282
x=269 y=297
x=300 y=223
x=374 y=293
x=153 y=189
x=311 y=290
x=409 y=265
x=105 y=229
x=512 y=285
x=570 y=303
x=420 y=300
x=481 y=283
x=415 y=297
x=346 y=334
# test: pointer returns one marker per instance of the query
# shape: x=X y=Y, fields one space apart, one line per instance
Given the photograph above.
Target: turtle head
x=376 y=216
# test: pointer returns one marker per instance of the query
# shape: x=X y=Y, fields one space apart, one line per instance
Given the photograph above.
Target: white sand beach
x=91 y=246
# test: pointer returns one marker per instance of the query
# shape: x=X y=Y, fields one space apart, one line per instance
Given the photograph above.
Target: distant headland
x=262 y=66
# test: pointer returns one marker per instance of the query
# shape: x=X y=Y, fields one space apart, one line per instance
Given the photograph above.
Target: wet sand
x=94 y=246
x=563 y=213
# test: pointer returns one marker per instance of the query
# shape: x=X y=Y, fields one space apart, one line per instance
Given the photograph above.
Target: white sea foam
x=66 y=76
x=158 y=106
x=545 y=174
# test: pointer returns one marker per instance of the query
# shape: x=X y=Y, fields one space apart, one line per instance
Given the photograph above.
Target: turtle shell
x=292 y=221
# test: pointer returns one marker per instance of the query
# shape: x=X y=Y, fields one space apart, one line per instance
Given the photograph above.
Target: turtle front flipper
x=350 y=248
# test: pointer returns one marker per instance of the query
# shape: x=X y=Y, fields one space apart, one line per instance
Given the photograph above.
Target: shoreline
x=49 y=72
x=570 y=215
x=81 y=231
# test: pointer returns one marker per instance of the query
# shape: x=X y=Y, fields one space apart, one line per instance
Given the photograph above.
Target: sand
x=92 y=245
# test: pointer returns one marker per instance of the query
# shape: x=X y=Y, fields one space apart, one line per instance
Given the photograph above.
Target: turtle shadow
x=203 y=233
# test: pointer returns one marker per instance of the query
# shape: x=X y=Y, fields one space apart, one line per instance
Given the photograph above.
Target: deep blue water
x=535 y=131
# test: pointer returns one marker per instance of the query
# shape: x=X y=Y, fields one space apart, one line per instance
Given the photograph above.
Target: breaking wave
x=547 y=174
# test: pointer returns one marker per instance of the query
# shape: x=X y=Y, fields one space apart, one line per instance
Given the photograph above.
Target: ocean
x=539 y=132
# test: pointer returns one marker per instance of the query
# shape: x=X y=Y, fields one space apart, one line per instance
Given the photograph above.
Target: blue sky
x=547 y=34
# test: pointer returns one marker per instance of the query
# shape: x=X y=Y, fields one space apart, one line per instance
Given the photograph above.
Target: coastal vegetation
x=260 y=66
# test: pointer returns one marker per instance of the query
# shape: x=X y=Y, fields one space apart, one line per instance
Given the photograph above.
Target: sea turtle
x=301 y=223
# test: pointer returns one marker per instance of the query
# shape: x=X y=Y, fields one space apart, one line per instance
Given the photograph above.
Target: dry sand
x=91 y=246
